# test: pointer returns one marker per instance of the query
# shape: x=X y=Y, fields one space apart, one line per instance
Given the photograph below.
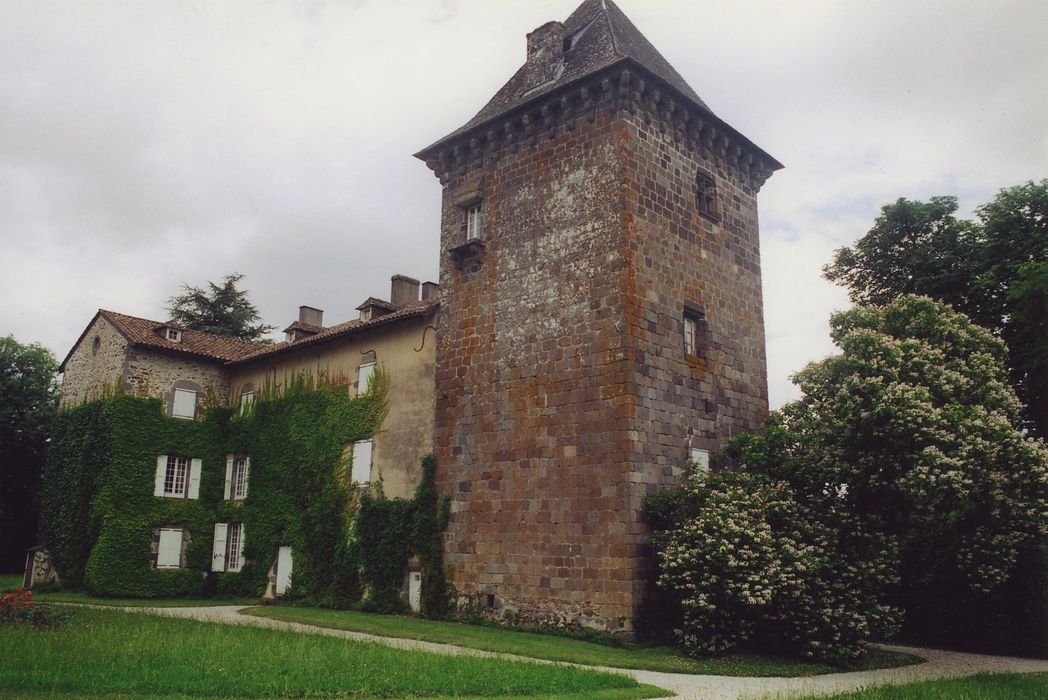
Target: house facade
x=598 y=324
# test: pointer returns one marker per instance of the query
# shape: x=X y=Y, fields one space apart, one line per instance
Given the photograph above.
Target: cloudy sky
x=144 y=145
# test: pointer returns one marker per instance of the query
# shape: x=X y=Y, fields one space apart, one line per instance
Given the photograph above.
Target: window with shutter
x=234 y=547
x=169 y=553
x=184 y=405
x=701 y=458
x=238 y=479
x=364 y=374
x=218 y=549
x=175 y=476
x=362 y=461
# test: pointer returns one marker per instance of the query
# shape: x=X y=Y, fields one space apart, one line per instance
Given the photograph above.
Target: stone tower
x=601 y=316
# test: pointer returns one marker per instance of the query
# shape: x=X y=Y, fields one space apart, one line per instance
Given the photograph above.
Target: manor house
x=598 y=323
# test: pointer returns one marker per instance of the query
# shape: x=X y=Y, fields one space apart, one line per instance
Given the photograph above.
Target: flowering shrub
x=753 y=568
x=18 y=608
x=898 y=483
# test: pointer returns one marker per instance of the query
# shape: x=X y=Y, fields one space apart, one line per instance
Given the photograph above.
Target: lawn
x=1008 y=686
x=557 y=648
x=9 y=582
x=108 y=653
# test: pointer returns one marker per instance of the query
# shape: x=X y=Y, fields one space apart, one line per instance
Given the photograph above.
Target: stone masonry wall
x=532 y=405
x=91 y=370
x=564 y=395
x=676 y=257
x=152 y=373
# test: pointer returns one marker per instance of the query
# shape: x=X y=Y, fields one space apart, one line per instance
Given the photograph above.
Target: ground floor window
x=228 y=550
x=168 y=547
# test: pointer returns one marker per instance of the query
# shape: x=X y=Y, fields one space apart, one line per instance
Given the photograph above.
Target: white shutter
x=194 y=478
x=169 y=553
x=247 y=476
x=702 y=459
x=161 y=472
x=363 y=375
x=362 y=461
x=229 y=477
x=218 y=551
x=184 y=404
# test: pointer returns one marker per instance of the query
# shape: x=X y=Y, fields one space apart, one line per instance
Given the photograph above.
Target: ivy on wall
x=349 y=543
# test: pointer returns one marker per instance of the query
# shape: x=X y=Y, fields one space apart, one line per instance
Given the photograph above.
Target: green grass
x=9 y=582
x=88 y=599
x=1009 y=686
x=108 y=653
x=557 y=648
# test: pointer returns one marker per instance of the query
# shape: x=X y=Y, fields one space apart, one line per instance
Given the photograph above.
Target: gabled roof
x=412 y=310
x=374 y=301
x=143 y=332
x=603 y=36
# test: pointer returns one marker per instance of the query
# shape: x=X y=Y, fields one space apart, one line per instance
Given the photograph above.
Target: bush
x=18 y=608
x=753 y=568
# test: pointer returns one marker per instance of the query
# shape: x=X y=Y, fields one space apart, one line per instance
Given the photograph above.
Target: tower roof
x=596 y=35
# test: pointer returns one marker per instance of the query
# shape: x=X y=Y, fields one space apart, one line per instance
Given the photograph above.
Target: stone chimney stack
x=311 y=316
x=403 y=290
x=546 y=44
x=430 y=290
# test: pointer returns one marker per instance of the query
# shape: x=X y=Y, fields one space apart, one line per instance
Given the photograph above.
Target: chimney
x=430 y=290
x=403 y=290
x=546 y=44
x=311 y=316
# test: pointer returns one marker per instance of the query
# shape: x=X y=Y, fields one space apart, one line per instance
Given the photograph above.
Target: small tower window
x=474 y=222
x=706 y=195
x=694 y=330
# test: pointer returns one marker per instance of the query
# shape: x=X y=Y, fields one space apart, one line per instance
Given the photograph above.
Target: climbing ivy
x=350 y=543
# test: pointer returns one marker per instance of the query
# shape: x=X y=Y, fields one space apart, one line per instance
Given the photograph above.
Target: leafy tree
x=28 y=384
x=911 y=434
x=981 y=268
x=220 y=309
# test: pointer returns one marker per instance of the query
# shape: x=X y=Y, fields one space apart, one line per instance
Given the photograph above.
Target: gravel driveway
x=940 y=664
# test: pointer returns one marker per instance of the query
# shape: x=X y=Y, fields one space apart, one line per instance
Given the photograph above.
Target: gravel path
x=940 y=664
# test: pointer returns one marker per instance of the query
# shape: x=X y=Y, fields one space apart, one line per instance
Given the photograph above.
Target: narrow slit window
x=694 y=327
x=706 y=195
x=474 y=222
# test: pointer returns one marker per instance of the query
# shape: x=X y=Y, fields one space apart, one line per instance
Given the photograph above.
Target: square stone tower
x=601 y=316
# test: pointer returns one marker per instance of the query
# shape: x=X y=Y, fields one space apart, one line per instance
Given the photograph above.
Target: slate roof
x=609 y=38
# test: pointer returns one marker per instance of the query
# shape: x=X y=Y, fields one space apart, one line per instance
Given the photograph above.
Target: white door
x=415 y=590
x=283 y=570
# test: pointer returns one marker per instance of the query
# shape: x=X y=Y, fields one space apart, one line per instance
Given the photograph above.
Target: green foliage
x=76 y=456
x=755 y=568
x=992 y=270
x=220 y=309
x=19 y=608
x=29 y=389
x=101 y=511
x=911 y=436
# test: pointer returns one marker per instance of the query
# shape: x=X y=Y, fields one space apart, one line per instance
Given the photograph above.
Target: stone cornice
x=626 y=87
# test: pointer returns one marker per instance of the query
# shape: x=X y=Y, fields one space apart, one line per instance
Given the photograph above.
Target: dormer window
x=173 y=334
x=365 y=314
